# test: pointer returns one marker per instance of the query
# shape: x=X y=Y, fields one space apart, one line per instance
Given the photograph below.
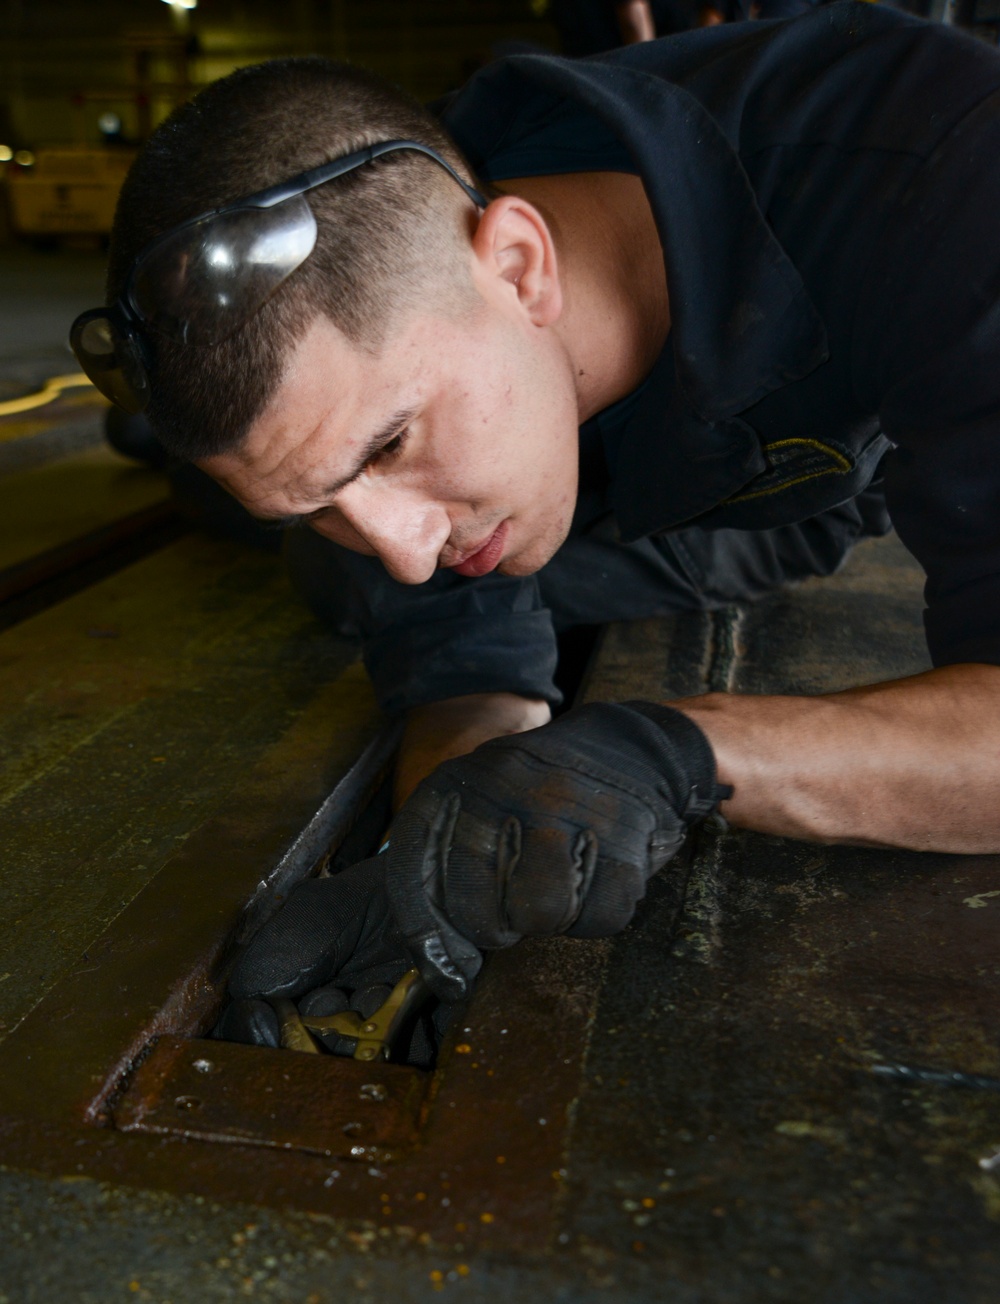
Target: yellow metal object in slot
x=374 y=1036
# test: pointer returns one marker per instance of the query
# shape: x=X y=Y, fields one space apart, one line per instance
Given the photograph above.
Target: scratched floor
x=790 y=1091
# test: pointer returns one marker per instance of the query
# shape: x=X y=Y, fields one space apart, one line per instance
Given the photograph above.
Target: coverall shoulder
x=825 y=192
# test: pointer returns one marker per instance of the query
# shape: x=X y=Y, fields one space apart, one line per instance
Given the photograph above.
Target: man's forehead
x=332 y=409
x=321 y=369
x=327 y=391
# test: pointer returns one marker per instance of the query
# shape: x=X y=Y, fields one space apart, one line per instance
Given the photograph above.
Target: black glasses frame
x=122 y=372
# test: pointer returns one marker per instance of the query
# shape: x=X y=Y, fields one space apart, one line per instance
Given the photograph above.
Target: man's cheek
x=337 y=530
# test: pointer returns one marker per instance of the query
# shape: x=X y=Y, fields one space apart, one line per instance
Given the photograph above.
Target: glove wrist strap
x=706 y=792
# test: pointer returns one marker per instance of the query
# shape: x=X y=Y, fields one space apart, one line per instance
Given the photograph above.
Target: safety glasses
x=201 y=281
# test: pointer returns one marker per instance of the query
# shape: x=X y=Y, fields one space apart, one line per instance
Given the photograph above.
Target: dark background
x=65 y=62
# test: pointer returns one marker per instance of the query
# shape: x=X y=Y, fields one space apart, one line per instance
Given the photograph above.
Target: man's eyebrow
x=374 y=444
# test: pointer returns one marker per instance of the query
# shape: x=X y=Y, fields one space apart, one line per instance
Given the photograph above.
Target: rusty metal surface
x=775 y=1159
x=709 y=1108
x=487 y=1171
x=221 y=1091
x=159 y=968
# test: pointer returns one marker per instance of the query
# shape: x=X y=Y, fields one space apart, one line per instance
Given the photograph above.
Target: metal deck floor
x=755 y=1085
x=128 y=713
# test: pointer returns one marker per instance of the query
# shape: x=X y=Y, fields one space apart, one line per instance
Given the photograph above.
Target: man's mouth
x=484 y=558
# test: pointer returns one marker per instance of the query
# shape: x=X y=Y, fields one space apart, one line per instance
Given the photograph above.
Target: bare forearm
x=635 y=21
x=911 y=763
x=457 y=726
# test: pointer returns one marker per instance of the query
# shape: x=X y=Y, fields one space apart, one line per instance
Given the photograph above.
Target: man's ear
x=513 y=249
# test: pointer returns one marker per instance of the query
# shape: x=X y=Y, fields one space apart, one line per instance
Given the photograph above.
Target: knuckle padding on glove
x=537 y=903
x=547 y=890
x=494 y=901
x=554 y=830
x=414 y=872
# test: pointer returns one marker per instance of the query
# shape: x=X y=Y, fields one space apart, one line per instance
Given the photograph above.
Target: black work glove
x=333 y=946
x=556 y=830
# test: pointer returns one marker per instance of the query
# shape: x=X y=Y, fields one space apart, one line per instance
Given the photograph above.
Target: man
x=593 y=26
x=725 y=292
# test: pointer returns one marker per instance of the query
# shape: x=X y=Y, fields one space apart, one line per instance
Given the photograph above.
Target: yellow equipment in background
x=69 y=191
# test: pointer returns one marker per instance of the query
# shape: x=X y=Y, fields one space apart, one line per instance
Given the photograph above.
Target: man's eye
x=390 y=449
x=386 y=453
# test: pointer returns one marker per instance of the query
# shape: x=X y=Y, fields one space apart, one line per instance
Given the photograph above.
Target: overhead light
x=182 y=4
x=25 y=158
x=6 y=153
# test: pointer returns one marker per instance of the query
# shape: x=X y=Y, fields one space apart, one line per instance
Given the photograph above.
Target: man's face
x=454 y=445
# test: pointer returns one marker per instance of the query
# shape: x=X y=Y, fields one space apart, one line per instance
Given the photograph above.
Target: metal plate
x=220 y=1091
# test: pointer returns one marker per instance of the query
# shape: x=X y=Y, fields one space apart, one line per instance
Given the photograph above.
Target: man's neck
x=616 y=312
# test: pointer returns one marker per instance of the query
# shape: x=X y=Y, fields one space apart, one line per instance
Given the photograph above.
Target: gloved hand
x=556 y=830
x=335 y=946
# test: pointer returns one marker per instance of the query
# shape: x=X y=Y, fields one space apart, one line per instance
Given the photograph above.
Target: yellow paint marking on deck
x=979 y=902
x=49 y=392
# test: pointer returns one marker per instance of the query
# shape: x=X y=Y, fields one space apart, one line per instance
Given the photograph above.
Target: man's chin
x=530 y=560
x=516 y=569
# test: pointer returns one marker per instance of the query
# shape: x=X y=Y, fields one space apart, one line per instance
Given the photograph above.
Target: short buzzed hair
x=389 y=233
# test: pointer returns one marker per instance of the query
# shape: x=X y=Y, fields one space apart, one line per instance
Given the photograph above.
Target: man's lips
x=486 y=557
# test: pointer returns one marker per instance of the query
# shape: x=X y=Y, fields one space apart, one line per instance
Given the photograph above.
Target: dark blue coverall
x=826 y=191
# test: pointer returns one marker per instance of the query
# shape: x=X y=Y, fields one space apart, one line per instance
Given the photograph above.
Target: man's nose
x=402 y=528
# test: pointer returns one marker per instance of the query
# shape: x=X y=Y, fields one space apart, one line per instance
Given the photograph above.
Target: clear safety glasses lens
x=111 y=360
x=202 y=282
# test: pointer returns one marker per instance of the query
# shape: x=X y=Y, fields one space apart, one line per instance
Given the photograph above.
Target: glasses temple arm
x=318 y=176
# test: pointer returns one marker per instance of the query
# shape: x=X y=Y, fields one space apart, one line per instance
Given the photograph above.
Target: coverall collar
x=742 y=322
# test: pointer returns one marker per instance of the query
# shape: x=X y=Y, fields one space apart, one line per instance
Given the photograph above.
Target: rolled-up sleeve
x=450 y=637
